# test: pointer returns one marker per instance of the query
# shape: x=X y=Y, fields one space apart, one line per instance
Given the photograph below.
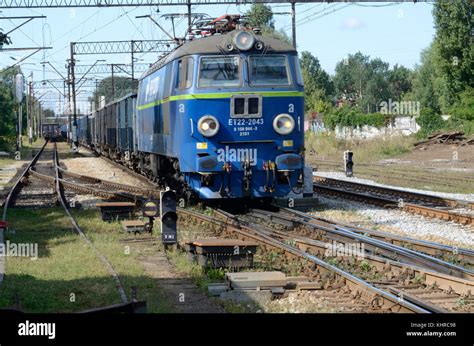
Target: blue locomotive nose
x=219 y=125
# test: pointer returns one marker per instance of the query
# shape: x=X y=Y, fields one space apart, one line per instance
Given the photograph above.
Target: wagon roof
x=215 y=45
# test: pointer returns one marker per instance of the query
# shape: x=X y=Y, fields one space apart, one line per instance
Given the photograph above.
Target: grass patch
x=68 y=276
x=325 y=146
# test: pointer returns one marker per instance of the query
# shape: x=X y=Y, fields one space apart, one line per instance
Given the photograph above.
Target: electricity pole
x=72 y=80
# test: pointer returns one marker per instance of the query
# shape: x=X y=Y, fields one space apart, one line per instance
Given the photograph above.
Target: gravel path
x=86 y=163
x=99 y=168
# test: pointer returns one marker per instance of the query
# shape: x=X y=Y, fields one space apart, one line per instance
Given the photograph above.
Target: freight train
x=51 y=131
x=221 y=116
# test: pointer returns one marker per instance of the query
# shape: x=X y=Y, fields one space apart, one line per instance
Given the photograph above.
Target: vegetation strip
x=110 y=269
x=14 y=189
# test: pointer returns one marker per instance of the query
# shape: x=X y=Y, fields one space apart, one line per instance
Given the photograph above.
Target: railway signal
x=150 y=210
x=169 y=218
x=348 y=163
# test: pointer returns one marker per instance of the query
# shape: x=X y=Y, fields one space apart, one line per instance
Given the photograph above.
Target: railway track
x=97 y=187
x=428 y=288
x=453 y=254
x=422 y=204
x=332 y=277
x=37 y=194
x=58 y=188
x=14 y=190
x=328 y=232
x=399 y=279
x=399 y=175
x=430 y=283
x=64 y=204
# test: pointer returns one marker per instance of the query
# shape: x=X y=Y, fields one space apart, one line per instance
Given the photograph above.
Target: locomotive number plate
x=245 y=122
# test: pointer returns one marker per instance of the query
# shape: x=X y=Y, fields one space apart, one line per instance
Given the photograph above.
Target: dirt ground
x=447 y=157
x=182 y=294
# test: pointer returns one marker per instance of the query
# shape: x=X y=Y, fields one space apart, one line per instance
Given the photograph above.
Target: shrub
x=347 y=116
x=429 y=122
x=7 y=143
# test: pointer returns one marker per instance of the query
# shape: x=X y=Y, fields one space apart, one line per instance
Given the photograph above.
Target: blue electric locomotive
x=225 y=114
x=219 y=117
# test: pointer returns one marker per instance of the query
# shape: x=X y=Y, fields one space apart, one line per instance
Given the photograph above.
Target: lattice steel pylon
x=117 y=47
x=109 y=47
x=106 y=68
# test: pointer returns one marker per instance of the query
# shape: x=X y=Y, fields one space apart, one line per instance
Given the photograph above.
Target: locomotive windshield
x=219 y=71
x=268 y=70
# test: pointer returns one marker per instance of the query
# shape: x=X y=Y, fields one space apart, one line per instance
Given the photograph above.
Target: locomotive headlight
x=208 y=126
x=283 y=124
x=244 y=40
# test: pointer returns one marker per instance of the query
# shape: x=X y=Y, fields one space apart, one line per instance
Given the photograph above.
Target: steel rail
x=80 y=188
x=389 y=250
x=446 y=282
x=409 y=195
x=108 y=183
x=10 y=196
x=370 y=291
x=394 y=204
x=62 y=200
x=15 y=188
x=127 y=169
x=374 y=168
x=428 y=247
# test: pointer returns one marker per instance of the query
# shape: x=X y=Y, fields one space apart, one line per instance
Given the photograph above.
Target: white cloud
x=352 y=24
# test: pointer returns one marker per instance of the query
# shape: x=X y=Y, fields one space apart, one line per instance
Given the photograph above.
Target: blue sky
x=396 y=33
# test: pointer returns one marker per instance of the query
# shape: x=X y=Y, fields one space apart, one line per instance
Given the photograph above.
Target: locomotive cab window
x=268 y=70
x=185 y=73
x=219 y=72
x=299 y=75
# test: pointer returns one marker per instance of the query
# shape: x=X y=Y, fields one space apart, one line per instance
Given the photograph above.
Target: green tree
x=9 y=107
x=377 y=88
x=454 y=49
x=464 y=108
x=425 y=80
x=400 y=80
x=49 y=113
x=122 y=86
x=363 y=80
x=429 y=122
x=318 y=85
x=351 y=76
x=261 y=16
